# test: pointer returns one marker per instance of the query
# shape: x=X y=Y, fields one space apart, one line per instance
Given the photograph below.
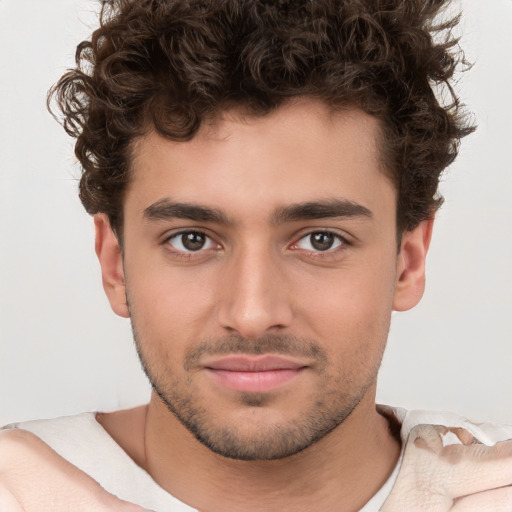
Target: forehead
x=302 y=151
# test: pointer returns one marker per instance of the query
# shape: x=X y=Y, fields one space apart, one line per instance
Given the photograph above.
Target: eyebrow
x=330 y=208
x=165 y=209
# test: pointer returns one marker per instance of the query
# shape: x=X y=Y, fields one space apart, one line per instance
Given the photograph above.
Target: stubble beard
x=333 y=403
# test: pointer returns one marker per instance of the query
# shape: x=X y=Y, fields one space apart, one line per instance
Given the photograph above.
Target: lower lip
x=254 y=382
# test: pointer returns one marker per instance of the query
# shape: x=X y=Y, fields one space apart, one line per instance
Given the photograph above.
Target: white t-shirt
x=81 y=440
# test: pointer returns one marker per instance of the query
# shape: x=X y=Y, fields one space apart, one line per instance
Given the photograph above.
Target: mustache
x=284 y=345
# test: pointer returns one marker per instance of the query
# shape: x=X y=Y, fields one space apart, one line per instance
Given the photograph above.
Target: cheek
x=167 y=303
x=350 y=309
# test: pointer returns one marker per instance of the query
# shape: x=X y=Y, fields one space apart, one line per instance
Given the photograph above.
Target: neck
x=346 y=466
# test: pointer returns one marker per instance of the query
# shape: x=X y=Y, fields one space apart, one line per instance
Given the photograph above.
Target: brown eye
x=191 y=241
x=320 y=241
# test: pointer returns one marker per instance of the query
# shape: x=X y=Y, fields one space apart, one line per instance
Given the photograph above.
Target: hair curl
x=171 y=64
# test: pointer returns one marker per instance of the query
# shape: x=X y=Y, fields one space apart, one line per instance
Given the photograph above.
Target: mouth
x=254 y=374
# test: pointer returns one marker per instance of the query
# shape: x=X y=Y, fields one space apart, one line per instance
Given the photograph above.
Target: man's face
x=260 y=263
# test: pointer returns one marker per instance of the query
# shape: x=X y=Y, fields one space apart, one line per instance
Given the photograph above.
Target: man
x=263 y=182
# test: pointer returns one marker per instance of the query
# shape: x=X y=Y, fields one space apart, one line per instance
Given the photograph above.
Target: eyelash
x=343 y=243
x=190 y=253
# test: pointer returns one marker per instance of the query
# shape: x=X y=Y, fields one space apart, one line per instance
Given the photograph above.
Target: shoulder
x=80 y=439
x=67 y=434
x=24 y=445
x=55 y=424
x=34 y=477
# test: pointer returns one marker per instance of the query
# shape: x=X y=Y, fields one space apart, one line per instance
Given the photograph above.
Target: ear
x=110 y=257
x=410 y=283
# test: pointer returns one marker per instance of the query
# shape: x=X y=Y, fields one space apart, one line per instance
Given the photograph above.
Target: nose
x=255 y=298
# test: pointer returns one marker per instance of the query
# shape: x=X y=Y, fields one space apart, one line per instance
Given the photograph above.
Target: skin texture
x=465 y=477
x=259 y=286
x=53 y=483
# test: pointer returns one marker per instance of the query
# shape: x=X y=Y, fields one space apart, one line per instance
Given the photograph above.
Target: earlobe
x=110 y=257
x=410 y=281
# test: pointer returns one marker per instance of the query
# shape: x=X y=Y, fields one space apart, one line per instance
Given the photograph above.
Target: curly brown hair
x=171 y=64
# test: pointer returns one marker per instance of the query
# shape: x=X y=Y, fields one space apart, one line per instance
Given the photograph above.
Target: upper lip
x=253 y=364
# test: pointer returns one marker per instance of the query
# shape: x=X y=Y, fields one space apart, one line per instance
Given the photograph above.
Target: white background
x=63 y=351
